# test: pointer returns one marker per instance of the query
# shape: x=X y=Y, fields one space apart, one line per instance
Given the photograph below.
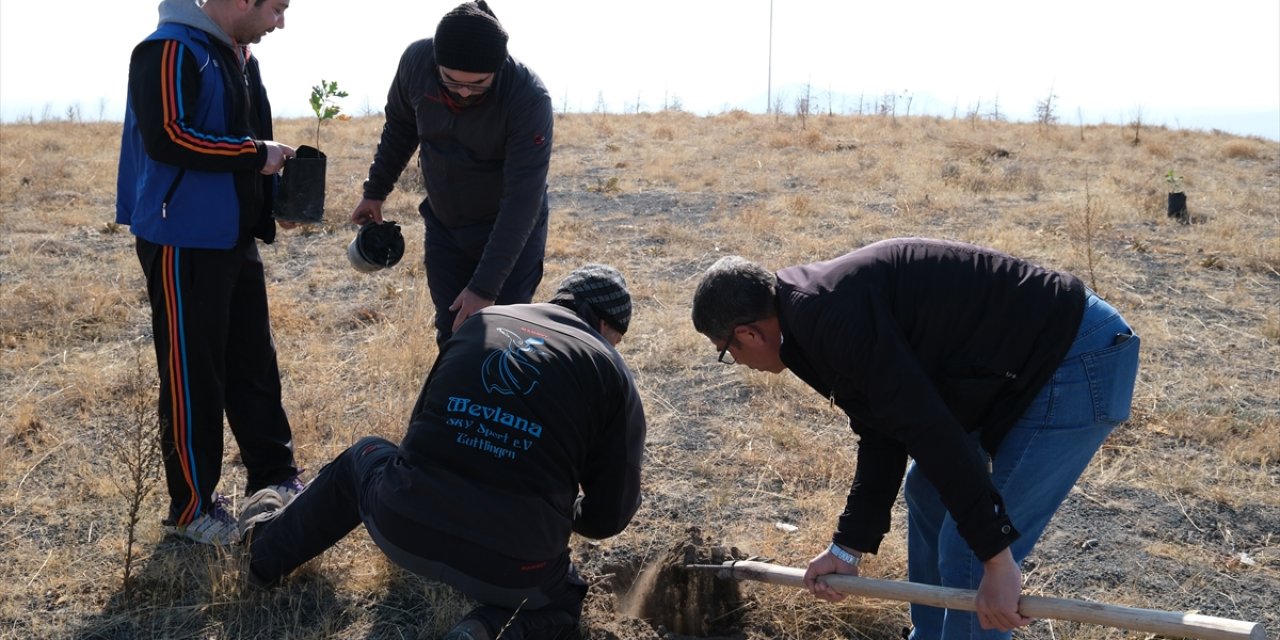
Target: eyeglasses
x=473 y=87
x=725 y=356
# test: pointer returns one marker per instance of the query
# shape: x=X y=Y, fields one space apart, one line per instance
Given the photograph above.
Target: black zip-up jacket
x=483 y=164
x=525 y=406
x=922 y=342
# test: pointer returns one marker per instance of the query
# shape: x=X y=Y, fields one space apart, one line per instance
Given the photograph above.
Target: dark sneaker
x=469 y=629
x=214 y=526
x=260 y=507
x=289 y=489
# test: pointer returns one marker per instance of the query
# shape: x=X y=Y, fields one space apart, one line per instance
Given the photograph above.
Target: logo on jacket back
x=507 y=371
x=511 y=371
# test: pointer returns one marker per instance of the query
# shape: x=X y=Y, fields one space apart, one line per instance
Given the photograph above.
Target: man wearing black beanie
x=481 y=122
x=528 y=428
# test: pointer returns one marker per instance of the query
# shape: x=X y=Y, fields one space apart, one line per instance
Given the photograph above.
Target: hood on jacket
x=189 y=13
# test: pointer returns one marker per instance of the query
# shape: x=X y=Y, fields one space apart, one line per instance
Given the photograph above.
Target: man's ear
x=747 y=334
x=612 y=335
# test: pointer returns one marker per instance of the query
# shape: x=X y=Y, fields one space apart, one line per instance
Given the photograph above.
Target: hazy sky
x=1172 y=62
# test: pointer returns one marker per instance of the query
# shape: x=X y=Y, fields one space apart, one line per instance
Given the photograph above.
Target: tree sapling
x=324 y=103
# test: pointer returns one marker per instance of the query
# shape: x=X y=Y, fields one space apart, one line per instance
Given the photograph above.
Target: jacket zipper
x=168 y=195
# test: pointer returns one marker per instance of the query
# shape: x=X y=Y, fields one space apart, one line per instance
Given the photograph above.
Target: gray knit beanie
x=471 y=39
x=601 y=288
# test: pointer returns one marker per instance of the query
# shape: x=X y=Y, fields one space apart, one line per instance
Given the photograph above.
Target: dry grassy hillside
x=1180 y=511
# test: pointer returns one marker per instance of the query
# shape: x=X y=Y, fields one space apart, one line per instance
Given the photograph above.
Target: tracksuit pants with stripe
x=215 y=355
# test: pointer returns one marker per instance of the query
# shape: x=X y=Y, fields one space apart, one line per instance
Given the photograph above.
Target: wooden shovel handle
x=1184 y=625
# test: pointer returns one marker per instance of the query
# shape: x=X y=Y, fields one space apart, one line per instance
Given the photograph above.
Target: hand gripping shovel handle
x=1182 y=625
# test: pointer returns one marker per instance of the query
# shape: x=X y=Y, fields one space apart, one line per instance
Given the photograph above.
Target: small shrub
x=1243 y=150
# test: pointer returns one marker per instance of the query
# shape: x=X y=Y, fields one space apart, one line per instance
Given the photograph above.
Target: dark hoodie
x=485 y=163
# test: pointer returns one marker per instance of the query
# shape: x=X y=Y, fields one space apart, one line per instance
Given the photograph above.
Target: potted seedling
x=300 y=197
x=1177 y=199
x=324 y=104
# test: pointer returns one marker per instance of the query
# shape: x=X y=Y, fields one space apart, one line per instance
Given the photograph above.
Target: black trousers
x=215 y=356
x=347 y=492
x=452 y=256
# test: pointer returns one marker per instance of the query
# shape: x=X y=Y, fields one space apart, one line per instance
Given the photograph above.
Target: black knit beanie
x=471 y=39
x=600 y=288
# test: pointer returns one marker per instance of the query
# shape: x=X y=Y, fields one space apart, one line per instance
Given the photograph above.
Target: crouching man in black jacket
x=529 y=427
x=1000 y=379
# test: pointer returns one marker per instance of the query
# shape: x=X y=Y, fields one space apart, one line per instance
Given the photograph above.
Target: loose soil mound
x=665 y=598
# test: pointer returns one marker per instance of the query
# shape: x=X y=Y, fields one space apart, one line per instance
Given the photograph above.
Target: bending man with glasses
x=998 y=378
x=481 y=122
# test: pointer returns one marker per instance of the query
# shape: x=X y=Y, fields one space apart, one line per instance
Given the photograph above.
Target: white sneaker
x=215 y=526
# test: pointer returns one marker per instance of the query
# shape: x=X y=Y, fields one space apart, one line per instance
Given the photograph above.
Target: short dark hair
x=733 y=291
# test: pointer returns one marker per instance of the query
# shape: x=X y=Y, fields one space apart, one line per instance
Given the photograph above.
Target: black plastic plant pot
x=1178 y=206
x=376 y=246
x=300 y=194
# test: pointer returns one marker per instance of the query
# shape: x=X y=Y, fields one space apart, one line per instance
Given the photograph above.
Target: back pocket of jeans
x=1113 y=373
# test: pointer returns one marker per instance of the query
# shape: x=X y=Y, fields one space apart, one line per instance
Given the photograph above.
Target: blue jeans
x=1034 y=468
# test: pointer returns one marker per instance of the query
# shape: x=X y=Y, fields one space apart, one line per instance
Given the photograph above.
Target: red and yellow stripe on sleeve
x=175 y=115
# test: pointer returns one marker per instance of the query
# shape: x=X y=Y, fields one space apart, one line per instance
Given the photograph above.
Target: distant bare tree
x=1090 y=218
x=1137 y=127
x=995 y=110
x=601 y=105
x=804 y=104
x=675 y=104
x=778 y=101
x=974 y=114
x=1046 y=110
x=888 y=105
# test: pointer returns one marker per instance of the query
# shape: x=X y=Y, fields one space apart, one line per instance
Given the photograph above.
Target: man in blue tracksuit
x=481 y=123
x=196 y=176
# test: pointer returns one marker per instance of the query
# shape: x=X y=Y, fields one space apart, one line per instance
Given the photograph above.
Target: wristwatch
x=844 y=556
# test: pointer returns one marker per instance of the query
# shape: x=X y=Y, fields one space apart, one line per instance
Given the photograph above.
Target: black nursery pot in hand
x=300 y=194
x=376 y=246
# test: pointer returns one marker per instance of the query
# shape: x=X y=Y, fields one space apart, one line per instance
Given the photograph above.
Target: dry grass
x=1180 y=511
